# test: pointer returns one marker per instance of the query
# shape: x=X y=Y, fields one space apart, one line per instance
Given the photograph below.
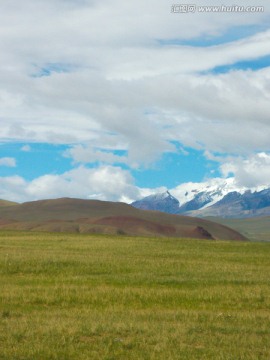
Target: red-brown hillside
x=93 y=216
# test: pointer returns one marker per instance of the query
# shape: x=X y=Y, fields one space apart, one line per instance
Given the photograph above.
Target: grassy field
x=255 y=229
x=98 y=297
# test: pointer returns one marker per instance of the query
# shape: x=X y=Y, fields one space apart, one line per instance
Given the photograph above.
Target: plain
x=78 y=296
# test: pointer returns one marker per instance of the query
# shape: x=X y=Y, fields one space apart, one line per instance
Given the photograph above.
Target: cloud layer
x=111 y=80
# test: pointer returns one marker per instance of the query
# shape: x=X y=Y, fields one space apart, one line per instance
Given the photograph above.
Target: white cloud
x=251 y=172
x=227 y=112
x=111 y=183
x=26 y=148
x=156 y=61
x=83 y=154
x=8 y=161
x=121 y=89
x=105 y=183
x=13 y=188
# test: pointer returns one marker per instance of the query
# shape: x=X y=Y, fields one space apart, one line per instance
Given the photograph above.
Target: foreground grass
x=95 y=297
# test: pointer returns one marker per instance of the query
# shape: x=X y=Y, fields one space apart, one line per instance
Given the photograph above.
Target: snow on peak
x=213 y=190
x=205 y=193
x=160 y=196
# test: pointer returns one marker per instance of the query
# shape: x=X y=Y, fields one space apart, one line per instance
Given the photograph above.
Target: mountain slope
x=206 y=193
x=93 y=216
x=4 y=203
x=161 y=202
x=236 y=205
x=189 y=196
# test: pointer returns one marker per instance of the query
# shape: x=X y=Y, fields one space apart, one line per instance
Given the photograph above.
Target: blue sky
x=254 y=64
x=37 y=159
x=173 y=169
x=122 y=111
x=230 y=34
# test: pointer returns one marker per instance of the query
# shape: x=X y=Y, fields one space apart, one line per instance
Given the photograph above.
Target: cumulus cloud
x=8 y=161
x=104 y=183
x=13 y=188
x=251 y=172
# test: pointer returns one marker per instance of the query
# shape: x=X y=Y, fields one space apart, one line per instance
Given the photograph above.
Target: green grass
x=68 y=296
x=255 y=228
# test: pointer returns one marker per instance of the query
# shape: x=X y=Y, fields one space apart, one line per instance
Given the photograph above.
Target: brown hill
x=4 y=203
x=94 y=216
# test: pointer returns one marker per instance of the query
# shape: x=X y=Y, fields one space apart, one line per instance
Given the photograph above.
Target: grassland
x=78 y=297
x=255 y=228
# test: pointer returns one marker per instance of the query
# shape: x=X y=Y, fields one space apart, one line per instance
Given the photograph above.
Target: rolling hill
x=94 y=216
x=7 y=203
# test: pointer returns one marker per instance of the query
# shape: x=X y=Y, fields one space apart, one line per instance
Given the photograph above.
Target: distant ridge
x=94 y=216
x=236 y=205
x=218 y=202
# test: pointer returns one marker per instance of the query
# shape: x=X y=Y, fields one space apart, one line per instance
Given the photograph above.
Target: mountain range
x=220 y=201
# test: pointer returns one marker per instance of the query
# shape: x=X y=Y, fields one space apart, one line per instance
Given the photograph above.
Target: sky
x=115 y=100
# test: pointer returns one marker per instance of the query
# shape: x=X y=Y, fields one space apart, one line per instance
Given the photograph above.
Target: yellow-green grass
x=6 y=203
x=73 y=296
x=255 y=228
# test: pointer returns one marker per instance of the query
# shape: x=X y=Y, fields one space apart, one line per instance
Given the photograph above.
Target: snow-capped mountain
x=218 y=197
x=236 y=205
x=205 y=194
x=162 y=202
